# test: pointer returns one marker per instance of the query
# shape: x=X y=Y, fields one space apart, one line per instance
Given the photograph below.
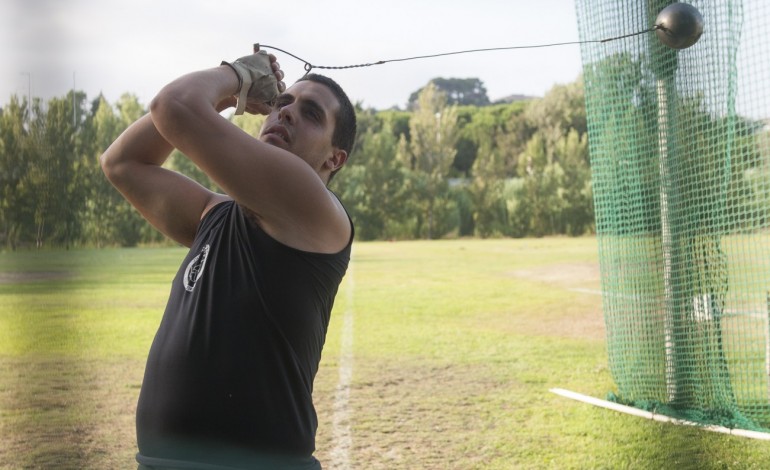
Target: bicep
x=170 y=201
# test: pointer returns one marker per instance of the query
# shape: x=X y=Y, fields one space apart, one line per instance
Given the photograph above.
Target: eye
x=280 y=102
x=313 y=113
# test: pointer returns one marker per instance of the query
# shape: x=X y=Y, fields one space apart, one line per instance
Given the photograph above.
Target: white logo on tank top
x=194 y=270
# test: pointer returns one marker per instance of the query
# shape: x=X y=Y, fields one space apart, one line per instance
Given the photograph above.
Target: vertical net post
x=668 y=292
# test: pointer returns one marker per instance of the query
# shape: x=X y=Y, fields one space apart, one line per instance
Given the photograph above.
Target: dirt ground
x=418 y=415
x=67 y=413
x=581 y=281
x=569 y=275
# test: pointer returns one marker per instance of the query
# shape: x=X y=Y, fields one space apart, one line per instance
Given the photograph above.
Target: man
x=230 y=372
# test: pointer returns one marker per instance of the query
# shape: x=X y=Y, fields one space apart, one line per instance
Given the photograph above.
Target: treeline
x=438 y=170
x=512 y=170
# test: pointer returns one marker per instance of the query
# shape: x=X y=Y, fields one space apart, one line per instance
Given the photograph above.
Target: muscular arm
x=170 y=201
x=287 y=195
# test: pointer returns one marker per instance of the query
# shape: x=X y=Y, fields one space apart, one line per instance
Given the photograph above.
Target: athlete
x=229 y=377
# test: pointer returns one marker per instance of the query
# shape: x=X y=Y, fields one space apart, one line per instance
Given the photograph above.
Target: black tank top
x=229 y=376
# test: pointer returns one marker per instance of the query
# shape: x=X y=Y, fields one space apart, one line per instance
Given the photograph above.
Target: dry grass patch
x=67 y=413
x=423 y=415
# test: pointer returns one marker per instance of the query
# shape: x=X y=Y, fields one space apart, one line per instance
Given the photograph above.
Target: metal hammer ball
x=679 y=25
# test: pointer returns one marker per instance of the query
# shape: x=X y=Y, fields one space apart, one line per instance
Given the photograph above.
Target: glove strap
x=244 y=84
x=245 y=87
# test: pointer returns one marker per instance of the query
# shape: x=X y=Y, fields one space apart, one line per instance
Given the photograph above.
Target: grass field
x=447 y=351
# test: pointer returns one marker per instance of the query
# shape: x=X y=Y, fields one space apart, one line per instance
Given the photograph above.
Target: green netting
x=680 y=157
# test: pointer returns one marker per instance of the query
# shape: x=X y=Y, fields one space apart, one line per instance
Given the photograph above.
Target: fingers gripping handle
x=256 y=80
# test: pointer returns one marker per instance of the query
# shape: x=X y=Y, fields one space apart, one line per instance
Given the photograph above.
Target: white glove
x=256 y=79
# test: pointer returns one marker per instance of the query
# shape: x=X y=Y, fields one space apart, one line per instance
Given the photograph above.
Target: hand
x=260 y=107
x=260 y=80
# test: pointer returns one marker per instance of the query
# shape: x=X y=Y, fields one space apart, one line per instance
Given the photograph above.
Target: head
x=324 y=143
x=345 y=129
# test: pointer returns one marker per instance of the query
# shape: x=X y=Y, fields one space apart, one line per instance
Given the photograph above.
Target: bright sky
x=138 y=46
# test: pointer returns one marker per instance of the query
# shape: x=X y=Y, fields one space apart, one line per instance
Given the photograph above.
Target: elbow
x=113 y=162
x=170 y=110
x=106 y=162
x=158 y=104
x=110 y=168
x=159 y=109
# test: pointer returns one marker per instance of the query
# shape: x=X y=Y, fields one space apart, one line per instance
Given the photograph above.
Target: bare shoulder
x=327 y=233
x=343 y=219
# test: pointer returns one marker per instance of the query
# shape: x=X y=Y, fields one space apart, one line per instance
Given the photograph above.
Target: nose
x=286 y=114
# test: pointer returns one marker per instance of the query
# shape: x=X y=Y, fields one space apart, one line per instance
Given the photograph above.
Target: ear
x=336 y=160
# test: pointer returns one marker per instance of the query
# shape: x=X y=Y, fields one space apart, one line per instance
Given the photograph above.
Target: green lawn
x=455 y=345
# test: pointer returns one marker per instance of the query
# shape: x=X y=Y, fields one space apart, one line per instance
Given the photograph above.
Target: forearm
x=190 y=100
x=142 y=142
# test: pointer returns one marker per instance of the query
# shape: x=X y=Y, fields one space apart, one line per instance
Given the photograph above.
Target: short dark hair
x=344 y=135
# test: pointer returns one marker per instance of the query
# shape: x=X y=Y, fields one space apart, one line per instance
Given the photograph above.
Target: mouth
x=277 y=132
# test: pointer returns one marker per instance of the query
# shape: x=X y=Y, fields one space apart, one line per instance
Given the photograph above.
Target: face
x=302 y=122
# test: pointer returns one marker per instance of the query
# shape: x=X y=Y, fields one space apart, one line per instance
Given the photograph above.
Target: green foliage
x=374 y=184
x=16 y=200
x=433 y=129
x=439 y=170
x=55 y=192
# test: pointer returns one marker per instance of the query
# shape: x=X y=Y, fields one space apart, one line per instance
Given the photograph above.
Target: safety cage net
x=680 y=159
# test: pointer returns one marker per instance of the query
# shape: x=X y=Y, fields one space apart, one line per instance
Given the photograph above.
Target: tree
x=374 y=184
x=53 y=173
x=430 y=154
x=15 y=194
x=561 y=109
x=554 y=194
x=500 y=170
x=108 y=218
x=577 y=214
x=458 y=91
x=500 y=132
x=373 y=188
x=539 y=199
